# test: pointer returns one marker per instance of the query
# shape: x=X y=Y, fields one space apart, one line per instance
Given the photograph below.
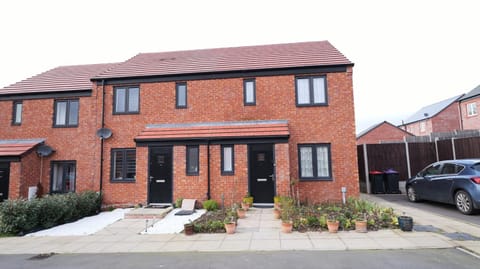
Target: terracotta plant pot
x=361 y=226
x=333 y=226
x=245 y=206
x=230 y=227
x=242 y=213
x=276 y=213
x=277 y=206
x=188 y=229
x=287 y=226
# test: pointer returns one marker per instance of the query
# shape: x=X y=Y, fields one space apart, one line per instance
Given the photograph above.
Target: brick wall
x=470 y=122
x=222 y=100
x=448 y=120
x=382 y=133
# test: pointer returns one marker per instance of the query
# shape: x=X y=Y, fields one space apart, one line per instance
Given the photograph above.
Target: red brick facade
x=381 y=133
x=208 y=100
x=445 y=121
x=470 y=122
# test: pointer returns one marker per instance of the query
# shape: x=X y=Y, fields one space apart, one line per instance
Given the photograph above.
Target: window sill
x=122 y=181
x=312 y=105
x=316 y=179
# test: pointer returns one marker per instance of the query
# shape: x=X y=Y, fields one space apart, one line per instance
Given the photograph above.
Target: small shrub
x=210 y=205
x=178 y=202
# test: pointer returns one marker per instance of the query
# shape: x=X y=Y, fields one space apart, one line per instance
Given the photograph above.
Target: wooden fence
x=409 y=158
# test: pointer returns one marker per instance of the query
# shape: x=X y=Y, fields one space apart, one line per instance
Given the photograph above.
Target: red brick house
x=382 y=132
x=443 y=116
x=468 y=110
x=213 y=123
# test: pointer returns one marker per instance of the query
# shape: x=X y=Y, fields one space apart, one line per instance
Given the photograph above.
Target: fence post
x=407 y=153
x=436 y=149
x=453 y=148
x=365 y=159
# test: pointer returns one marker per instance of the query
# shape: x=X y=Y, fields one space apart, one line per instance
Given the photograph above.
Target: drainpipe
x=101 y=139
x=208 y=170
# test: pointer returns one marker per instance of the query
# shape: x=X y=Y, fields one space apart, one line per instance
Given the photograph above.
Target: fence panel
x=421 y=154
x=361 y=169
x=467 y=147
x=385 y=156
x=445 y=151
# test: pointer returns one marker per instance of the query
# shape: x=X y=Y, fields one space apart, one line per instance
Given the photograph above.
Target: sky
x=407 y=54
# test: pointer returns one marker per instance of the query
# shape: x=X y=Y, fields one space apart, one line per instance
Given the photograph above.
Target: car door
x=425 y=179
x=441 y=185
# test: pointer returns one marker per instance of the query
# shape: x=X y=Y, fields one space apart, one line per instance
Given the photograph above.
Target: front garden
x=304 y=218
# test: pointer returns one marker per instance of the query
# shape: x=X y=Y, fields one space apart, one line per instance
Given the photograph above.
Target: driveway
x=449 y=211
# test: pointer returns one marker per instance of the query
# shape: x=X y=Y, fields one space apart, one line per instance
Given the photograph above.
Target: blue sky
x=407 y=54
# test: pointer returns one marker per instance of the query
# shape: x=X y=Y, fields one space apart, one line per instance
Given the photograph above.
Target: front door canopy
x=15 y=148
x=212 y=131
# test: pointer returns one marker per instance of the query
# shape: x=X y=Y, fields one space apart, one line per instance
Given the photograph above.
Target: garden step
x=148 y=213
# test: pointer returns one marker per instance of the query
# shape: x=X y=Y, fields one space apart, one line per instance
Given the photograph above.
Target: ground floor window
x=63 y=176
x=192 y=160
x=123 y=164
x=227 y=160
x=314 y=161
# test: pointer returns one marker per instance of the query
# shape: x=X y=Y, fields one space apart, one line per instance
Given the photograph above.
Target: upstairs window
x=314 y=161
x=123 y=164
x=249 y=92
x=472 y=109
x=17 y=113
x=126 y=100
x=66 y=113
x=227 y=160
x=181 y=95
x=192 y=160
x=311 y=91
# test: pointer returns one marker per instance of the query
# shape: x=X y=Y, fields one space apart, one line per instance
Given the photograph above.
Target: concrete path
x=258 y=232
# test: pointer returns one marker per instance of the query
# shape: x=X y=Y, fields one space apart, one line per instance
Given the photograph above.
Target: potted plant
x=276 y=202
x=277 y=213
x=188 y=228
x=230 y=225
x=247 y=201
x=405 y=223
x=332 y=224
x=241 y=213
x=361 y=224
x=286 y=216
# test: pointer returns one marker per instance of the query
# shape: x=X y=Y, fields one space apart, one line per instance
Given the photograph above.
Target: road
x=441 y=209
x=425 y=259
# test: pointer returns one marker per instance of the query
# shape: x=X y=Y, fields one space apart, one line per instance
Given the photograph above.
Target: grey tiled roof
x=431 y=110
x=472 y=93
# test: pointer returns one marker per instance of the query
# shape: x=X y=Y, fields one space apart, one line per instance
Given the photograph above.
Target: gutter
x=208 y=170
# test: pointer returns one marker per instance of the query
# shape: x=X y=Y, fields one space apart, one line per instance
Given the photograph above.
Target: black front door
x=261 y=172
x=4 y=180
x=160 y=175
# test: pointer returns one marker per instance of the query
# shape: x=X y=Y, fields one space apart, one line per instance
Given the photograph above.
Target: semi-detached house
x=202 y=124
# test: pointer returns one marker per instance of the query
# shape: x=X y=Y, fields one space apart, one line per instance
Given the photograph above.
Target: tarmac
x=259 y=231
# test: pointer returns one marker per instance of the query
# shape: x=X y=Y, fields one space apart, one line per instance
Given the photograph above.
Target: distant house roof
x=18 y=147
x=375 y=126
x=473 y=93
x=431 y=110
x=278 y=56
x=215 y=130
x=60 y=79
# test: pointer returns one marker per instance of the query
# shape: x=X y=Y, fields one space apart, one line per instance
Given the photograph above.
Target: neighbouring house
x=443 y=116
x=203 y=124
x=382 y=132
x=468 y=110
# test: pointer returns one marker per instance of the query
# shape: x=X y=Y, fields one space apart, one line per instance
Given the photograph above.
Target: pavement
x=259 y=231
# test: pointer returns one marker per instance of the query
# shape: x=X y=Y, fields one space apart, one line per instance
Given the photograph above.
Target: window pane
x=319 y=90
x=306 y=162
x=133 y=100
x=120 y=100
x=57 y=178
x=18 y=113
x=131 y=164
x=118 y=164
x=322 y=162
x=73 y=113
x=303 y=92
x=69 y=177
x=227 y=159
x=192 y=161
x=60 y=118
x=249 y=92
x=181 y=95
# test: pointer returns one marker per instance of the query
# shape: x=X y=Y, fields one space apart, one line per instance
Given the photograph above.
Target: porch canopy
x=215 y=131
x=13 y=149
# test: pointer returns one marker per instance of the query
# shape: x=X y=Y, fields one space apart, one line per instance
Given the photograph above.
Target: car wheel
x=412 y=194
x=463 y=201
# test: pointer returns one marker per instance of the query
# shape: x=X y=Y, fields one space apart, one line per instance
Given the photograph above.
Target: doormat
x=158 y=206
